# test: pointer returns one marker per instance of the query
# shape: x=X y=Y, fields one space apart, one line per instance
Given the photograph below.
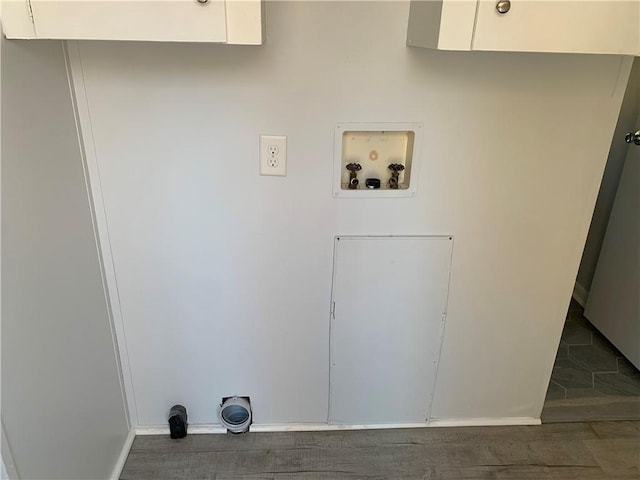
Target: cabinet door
x=174 y=20
x=390 y=296
x=559 y=26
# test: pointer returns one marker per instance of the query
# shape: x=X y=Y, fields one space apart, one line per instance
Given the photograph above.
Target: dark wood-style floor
x=580 y=451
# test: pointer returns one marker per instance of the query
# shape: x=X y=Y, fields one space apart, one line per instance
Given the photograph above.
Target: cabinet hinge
x=30 y=11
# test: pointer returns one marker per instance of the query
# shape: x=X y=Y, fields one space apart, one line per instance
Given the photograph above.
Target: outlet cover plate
x=273 y=155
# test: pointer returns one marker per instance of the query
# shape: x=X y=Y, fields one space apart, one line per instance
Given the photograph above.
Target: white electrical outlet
x=273 y=155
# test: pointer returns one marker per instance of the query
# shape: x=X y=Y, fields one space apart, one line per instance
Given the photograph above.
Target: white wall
x=62 y=405
x=224 y=276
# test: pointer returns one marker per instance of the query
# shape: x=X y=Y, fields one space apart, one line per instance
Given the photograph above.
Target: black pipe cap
x=178 y=421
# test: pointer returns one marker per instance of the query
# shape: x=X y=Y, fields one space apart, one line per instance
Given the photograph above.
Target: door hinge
x=333 y=310
x=30 y=11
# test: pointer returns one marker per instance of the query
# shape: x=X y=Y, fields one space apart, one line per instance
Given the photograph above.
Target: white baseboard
x=580 y=294
x=191 y=430
x=319 y=427
x=483 y=422
x=124 y=453
x=277 y=427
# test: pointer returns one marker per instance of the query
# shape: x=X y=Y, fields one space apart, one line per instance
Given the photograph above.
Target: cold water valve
x=395 y=168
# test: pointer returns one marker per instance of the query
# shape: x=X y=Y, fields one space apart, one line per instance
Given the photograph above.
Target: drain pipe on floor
x=235 y=414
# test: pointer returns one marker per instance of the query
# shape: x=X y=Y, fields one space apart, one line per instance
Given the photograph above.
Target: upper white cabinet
x=564 y=26
x=219 y=21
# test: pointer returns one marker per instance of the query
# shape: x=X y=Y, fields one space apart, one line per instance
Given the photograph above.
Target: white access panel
x=388 y=312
